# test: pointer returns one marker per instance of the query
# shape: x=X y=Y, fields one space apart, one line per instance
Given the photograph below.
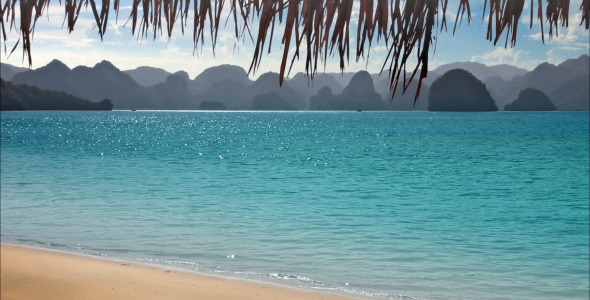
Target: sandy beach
x=31 y=273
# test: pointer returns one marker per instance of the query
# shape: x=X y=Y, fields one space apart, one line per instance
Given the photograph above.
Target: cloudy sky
x=84 y=47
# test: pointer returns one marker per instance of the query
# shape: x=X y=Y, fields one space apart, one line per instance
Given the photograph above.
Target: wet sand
x=32 y=273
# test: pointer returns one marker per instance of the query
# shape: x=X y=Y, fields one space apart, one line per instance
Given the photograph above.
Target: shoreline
x=37 y=273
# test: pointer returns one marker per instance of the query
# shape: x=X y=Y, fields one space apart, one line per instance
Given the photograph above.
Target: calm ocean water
x=391 y=205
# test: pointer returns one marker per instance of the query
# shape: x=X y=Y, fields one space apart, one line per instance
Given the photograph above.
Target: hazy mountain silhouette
x=573 y=94
x=268 y=83
x=212 y=105
x=53 y=76
x=506 y=72
x=459 y=90
x=148 y=76
x=323 y=100
x=237 y=92
x=183 y=75
x=307 y=87
x=174 y=93
x=531 y=100
x=102 y=81
x=226 y=93
x=342 y=78
x=210 y=76
x=545 y=77
x=271 y=101
x=7 y=71
x=580 y=65
x=359 y=94
x=496 y=78
x=503 y=91
x=481 y=71
x=432 y=76
x=23 y=97
x=382 y=84
x=405 y=101
x=229 y=86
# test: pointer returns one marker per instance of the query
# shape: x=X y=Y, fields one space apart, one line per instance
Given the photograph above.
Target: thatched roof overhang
x=407 y=28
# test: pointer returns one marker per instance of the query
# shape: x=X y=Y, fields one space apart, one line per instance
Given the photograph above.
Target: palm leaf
x=408 y=29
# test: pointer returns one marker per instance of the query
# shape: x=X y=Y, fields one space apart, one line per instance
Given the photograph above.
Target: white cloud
x=355 y=12
x=500 y=55
x=84 y=47
x=572 y=36
x=557 y=55
x=536 y=36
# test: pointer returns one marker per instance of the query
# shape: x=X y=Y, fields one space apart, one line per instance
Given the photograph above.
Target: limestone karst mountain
x=148 y=76
x=547 y=78
x=531 y=100
x=174 y=92
x=481 y=71
x=573 y=94
x=7 y=71
x=268 y=83
x=359 y=94
x=231 y=87
x=23 y=97
x=103 y=80
x=459 y=90
x=204 y=81
x=308 y=87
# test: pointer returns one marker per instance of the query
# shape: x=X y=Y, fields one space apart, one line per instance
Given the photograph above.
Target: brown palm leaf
x=585 y=7
x=408 y=28
x=557 y=10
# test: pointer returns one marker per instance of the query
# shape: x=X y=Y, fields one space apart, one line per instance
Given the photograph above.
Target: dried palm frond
x=30 y=12
x=557 y=10
x=408 y=28
x=585 y=8
x=505 y=15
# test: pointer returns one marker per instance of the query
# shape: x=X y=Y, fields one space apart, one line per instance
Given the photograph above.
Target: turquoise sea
x=391 y=205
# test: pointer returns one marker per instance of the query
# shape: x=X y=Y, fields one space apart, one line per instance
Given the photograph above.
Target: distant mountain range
x=229 y=87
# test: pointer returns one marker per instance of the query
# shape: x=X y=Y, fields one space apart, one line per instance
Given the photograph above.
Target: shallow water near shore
x=393 y=205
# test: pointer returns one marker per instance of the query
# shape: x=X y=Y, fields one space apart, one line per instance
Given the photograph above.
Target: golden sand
x=31 y=273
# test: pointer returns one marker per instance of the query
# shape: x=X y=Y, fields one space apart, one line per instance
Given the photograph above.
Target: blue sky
x=84 y=47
